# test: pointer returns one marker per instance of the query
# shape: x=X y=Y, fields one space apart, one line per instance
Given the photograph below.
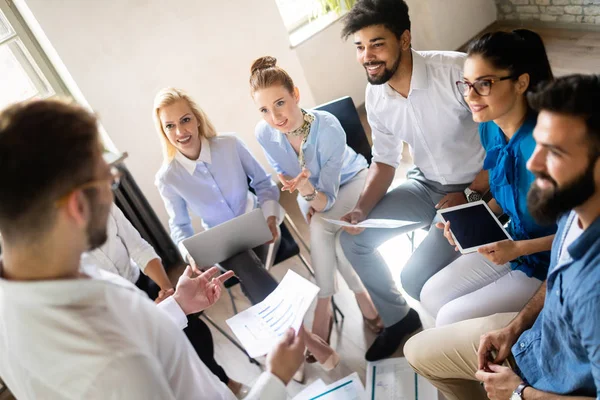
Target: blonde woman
x=307 y=148
x=209 y=174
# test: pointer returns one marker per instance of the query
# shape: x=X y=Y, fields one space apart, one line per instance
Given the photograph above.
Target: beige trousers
x=447 y=356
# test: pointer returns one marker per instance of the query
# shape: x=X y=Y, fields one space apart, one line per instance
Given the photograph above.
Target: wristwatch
x=472 y=195
x=311 y=197
x=518 y=393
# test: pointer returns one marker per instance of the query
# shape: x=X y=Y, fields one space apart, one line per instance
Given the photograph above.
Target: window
x=305 y=18
x=24 y=70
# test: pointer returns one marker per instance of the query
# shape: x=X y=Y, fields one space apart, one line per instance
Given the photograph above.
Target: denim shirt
x=329 y=159
x=561 y=352
x=509 y=183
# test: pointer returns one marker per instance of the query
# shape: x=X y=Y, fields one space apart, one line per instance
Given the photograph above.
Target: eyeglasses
x=114 y=179
x=482 y=87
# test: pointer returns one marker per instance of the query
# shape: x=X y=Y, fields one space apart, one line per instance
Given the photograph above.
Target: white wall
x=121 y=52
x=330 y=64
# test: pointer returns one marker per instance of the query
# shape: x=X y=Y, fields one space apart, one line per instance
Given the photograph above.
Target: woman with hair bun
x=308 y=150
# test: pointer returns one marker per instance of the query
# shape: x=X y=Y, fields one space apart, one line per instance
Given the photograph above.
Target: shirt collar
x=419 y=79
x=190 y=165
x=586 y=241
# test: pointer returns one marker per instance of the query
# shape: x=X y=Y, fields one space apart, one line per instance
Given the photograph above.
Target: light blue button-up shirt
x=330 y=160
x=214 y=187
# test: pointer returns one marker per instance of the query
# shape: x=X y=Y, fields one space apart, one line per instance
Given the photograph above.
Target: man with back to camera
x=88 y=334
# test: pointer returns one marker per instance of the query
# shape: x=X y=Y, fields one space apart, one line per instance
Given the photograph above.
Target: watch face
x=516 y=396
x=474 y=196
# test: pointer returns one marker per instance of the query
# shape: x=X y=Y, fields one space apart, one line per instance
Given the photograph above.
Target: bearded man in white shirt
x=68 y=333
x=411 y=97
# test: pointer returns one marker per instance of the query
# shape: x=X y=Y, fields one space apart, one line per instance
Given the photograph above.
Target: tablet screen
x=474 y=226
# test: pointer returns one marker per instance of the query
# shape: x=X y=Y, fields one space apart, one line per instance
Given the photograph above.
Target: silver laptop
x=223 y=241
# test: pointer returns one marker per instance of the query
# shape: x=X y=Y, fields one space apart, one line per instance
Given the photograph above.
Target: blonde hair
x=265 y=73
x=168 y=96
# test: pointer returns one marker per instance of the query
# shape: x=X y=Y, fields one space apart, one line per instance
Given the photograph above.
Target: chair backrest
x=345 y=111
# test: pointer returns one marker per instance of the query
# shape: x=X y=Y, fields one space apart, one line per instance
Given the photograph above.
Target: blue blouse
x=510 y=181
x=330 y=160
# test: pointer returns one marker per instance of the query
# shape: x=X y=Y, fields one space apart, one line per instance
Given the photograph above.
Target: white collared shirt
x=125 y=252
x=101 y=338
x=434 y=120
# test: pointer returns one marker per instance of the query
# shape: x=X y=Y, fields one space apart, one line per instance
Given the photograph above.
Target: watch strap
x=487 y=197
x=519 y=390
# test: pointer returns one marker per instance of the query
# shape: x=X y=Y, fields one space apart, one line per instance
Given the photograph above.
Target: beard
x=97 y=226
x=546 y=205
x=386 y=75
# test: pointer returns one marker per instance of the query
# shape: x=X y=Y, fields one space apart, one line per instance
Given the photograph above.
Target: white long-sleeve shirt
x=434 y=120
x=101 y=338
x=125 y=252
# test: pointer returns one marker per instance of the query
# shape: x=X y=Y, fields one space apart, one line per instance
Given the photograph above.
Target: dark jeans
x=197 y=332
x=255 y=281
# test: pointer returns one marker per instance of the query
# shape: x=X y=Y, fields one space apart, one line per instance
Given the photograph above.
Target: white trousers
x=473 y=287
x=325 y=251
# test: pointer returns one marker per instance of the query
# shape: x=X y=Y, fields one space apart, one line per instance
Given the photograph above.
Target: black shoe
x=387 y=342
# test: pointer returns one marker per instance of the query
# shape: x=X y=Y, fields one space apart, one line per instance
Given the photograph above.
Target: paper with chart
x=373 y=223
x=260 y=327
x=314 y=389
x=394 y=379
x=348 y=388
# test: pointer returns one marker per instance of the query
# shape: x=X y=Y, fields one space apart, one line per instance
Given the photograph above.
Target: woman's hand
x=310 y=213
x=447 y=233
x=300 y=182
x=501 y=252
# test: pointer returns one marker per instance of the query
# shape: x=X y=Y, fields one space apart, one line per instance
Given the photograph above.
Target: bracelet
x=312 y=196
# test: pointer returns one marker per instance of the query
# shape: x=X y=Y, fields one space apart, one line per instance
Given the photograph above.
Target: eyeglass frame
x=115 y=180
x=471 y=86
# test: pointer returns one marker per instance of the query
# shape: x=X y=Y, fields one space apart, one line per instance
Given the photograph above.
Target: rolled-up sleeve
x=139 y=250
x=267 y=387
x=266 y=190
x=387 y=148
x=331 y=148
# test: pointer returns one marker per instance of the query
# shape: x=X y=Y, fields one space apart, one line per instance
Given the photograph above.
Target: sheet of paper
x=348 y=388
x=394 y=379
x=373 y=223
x=259 y=327
x=314 y=389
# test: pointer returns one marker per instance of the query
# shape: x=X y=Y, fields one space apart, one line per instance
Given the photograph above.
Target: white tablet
x=473 y=225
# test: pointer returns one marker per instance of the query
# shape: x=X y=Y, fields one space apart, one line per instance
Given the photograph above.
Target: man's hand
x=500 y=383
x=500 y=341
x=501 y=252
x=447 y=233
x=272 y=223
x=196 y=294
x=163 y=294
x=300 y=182
x=285 y=359
x=354 y=217
x=451 y=200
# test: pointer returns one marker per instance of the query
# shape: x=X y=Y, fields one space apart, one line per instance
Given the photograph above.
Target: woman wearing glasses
x=501 y=68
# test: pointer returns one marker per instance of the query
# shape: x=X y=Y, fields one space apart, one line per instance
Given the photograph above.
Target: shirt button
x=222 y=201
x=522 y=345
x=557 y=292
x=214 y=186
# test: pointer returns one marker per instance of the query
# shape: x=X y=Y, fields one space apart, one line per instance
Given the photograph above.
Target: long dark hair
x=520 y=51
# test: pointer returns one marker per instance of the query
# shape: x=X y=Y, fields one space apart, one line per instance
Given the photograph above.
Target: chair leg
x=292 y=226
x=308 y=267
x=411 y=238
x=233 y=305
x=231 y=339
x=336 y=311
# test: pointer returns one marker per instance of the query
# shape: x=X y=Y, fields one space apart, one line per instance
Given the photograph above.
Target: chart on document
x=394 y=379
x=259 y=327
